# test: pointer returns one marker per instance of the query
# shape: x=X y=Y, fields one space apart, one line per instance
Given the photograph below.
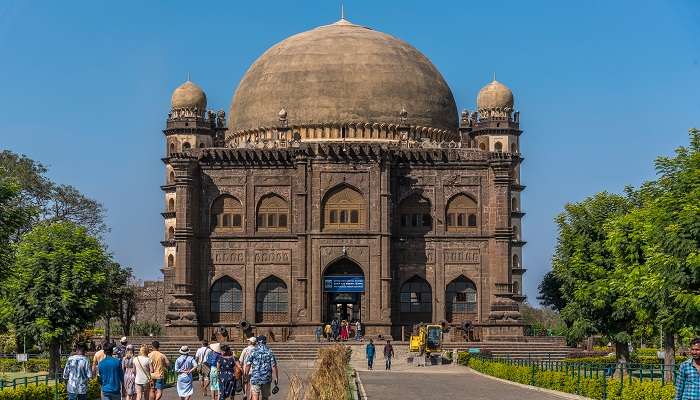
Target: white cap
x=123 y=339
x=252 y=339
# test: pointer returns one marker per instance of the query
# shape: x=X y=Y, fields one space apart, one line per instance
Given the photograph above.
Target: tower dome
x=189 y=95
x=343 y=73
x=495 y=95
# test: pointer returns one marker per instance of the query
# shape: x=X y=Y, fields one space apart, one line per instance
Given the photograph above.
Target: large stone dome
x=342 y=73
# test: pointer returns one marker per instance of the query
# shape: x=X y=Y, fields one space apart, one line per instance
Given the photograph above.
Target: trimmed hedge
x=33 y=365
x=46 y=392
x=563 y=382
x=644 y=360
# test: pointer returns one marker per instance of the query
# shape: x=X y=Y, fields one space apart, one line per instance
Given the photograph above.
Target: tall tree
x=57 y=284
x=122 y=296
x=584 y=265
x=12 y=217
x=53 y=202
x=550 y=292
x=657 y=246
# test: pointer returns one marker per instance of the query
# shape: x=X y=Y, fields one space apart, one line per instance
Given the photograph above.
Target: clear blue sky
x=603 y=88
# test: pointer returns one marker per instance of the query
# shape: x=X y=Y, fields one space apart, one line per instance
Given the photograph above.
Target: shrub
x=46 y=392
x=33 y=365
x=463 y=358
x=570 y=383
x=147 y=328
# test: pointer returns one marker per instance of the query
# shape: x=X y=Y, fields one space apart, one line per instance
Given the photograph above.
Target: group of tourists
x=339 y=331
x=124 y=374
x=370 y=351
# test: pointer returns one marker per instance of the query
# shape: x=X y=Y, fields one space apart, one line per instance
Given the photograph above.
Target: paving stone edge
x=563 y=395
x=360 y=386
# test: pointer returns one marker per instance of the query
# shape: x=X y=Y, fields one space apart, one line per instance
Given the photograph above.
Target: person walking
x=328 y=332
x=98 y=356
x=243 y=359
x=261 y=366
x=370 y=354
x=214 y=375
x=358 y=328
x=143 y=370
x=120 y=349
x=388 y=354
x=688 y=376
x=184 y=365
x=129 y=389
x=201 y=357
x=160 y=364
x=344 y=330
x=111 y=375
x=77 y=373
x=227 y=370
x=336 y=329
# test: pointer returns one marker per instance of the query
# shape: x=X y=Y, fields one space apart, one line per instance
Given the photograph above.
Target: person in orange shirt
x=97 y=357
x=160 y=365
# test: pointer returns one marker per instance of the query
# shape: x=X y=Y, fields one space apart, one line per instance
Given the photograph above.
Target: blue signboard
x=344 y=283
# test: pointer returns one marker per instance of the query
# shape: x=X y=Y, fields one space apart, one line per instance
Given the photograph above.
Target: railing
x=25 y=381
x=624 y=373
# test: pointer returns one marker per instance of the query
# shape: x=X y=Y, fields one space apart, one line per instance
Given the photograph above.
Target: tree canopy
x=58 y=284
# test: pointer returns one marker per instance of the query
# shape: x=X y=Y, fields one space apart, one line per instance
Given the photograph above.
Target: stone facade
x=425 y=221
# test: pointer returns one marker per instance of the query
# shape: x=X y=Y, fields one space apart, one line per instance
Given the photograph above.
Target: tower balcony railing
x=504 y=288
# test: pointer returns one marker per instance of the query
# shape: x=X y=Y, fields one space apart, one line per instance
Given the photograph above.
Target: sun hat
x=123 y=339
x=252 y=339
x=130 y=347
x=184 y=350
x=216 y=347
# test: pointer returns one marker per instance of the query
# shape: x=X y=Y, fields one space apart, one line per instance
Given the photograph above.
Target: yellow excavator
x=427 y=339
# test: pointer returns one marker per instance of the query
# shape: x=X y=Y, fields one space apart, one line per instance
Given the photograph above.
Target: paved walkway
x=302 y=369
x=445 y=382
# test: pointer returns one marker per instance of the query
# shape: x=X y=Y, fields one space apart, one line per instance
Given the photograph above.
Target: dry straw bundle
x=329 y=381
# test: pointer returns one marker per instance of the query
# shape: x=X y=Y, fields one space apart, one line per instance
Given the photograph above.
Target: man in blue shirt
x=260 y=366
x=77 y=372
x=688 y=377
x=111 y=375
x=370 y=354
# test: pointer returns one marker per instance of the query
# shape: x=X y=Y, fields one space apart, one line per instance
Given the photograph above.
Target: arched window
x=273 y=214
x=186 y=146
x=498 y=146
x=171 y=204
x=513 y=148
x=171 y=177
x=226 y=301
x=514 y=204
x=482 y=146
x=415 y=215
x=171 y=261
x=516 y=232
x=344 y=208
x=171 y=233
x=416 y=301
x=271 y=300
x=461 y=213
x=172 y=148
x=226 y=214
x=516 y=261
x=460 y=299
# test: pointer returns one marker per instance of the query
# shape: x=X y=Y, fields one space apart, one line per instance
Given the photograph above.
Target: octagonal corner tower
x=347 y=75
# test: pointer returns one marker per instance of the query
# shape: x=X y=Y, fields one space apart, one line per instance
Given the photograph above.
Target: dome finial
x=188 y=76
x=342 y=10
x=494 y=75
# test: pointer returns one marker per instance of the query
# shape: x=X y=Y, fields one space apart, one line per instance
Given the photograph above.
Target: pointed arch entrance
x=343 y=287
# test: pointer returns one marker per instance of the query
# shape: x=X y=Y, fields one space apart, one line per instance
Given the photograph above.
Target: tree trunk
x=54 y=358
x=107 y=329
x=622 y=351
x=669 y=355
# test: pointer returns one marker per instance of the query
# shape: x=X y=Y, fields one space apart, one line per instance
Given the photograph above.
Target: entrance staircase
x=541 y=350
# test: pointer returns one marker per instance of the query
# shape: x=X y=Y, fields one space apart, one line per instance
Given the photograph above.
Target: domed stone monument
x=344 y=185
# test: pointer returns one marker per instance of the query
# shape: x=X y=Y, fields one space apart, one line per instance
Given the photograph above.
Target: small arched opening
x=171 y=233
x=416 y=301
x=271 y=300
x=461 y=300
x=226 y=300
x=171 y=204
x=343 y=290
x=498 y=146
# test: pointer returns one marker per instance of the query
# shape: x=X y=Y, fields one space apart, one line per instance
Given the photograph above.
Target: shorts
x=159 y=384
x=76 y=396
x=111 y=396
x=263 y=390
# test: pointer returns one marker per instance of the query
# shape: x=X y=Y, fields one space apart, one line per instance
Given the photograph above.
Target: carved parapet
x=505 y=309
